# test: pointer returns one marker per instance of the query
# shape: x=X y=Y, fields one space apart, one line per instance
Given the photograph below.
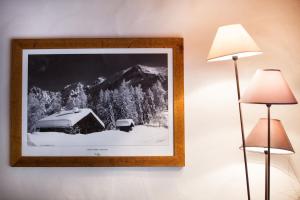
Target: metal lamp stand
x=268 y=157
x=235 y=58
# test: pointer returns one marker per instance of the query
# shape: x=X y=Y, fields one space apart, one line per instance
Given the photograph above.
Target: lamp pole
x=266 y=174
x=235 y=58
x=269 y=154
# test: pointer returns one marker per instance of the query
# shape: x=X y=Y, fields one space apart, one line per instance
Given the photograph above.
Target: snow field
x=140 y=135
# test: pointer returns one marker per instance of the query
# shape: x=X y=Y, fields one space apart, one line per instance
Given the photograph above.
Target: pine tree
x=116 y=103
x=81 y=97
x=77 y=98
x=70 y=103
x=110 y=110
x=123 y=99
x=41 y=103
x=138 y=96
x=100 y=107
x=159 y=97
x=54 y=104
x=124 y=105
x=36 y=111
x=148 y=106
x=105 y=109
x=91 y=103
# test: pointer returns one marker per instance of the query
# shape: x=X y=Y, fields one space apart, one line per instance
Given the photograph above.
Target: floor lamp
x=257 y=141
x=268 y=87
x=232 y=42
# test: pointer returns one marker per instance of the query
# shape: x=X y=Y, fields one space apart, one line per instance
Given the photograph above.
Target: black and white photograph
x=97 y=102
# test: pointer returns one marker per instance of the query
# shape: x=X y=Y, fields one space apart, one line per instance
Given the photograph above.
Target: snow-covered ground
x=140 y=135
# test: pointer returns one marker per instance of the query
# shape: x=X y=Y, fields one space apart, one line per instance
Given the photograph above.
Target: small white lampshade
x=232 y=40
x=257 y=141
x=268 y=86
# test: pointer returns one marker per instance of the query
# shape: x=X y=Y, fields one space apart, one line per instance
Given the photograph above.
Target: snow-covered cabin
x=74 y=121
x=125 y=124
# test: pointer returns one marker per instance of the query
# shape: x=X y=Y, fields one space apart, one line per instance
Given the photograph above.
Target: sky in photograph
x=53 y=72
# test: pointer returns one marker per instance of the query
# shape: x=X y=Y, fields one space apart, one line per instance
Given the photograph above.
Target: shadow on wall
x=215 y=110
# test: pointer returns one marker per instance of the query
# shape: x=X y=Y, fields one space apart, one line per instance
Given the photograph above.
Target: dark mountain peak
x=134 y=67
x=138 y=67
x=97 y=82
x=131 y=70
x=135 y=75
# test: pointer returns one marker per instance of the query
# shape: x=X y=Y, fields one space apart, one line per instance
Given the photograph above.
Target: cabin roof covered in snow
x=124 y=122
x=66 y=118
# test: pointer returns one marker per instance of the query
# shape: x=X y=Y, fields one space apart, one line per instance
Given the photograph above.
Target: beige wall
x=214 y=167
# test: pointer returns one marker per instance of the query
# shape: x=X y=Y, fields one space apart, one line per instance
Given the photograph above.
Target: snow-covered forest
x=143 y=105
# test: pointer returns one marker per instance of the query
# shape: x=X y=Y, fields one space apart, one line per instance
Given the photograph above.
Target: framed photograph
x=97 y=102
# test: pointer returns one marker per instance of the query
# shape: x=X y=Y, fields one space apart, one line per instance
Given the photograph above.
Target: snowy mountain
x=135 y=75
x=138 y=92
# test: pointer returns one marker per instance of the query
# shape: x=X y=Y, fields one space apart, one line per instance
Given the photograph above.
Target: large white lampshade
x=232 y=40
x=257 y=141
x=268 y=86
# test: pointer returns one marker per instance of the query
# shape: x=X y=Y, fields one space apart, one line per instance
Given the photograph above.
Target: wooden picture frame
x=17 y=119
